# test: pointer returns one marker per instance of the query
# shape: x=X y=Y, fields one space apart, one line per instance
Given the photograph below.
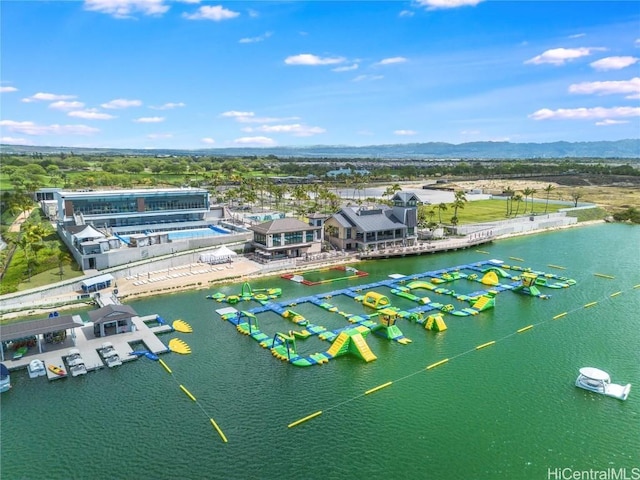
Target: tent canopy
x=219 y=255
x=88 y=233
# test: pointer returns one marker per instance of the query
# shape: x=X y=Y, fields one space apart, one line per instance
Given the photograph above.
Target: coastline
x=202 y=276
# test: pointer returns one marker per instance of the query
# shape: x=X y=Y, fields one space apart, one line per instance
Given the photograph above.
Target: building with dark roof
x=37 y=333
x=112 y=319
x=361 y=229
x=285 y=238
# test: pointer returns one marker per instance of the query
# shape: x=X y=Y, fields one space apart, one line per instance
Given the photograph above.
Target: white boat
x=599 y=381
x=36 y=368
x=76 y=363
x=5 y=378
x=110 y=355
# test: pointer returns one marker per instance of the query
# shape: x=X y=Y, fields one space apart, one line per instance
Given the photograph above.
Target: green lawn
x=490 y=210
x=48 y=277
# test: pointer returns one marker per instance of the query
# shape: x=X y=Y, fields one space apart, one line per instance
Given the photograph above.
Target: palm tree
x=442 y=207
x=517 y=198
x=458 y=202
x=508 y=192
x=533 y=192
x=63 y=257
x=548 y=190
x=526 y=192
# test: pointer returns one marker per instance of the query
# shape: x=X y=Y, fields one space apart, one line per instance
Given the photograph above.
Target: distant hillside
x=629 y=148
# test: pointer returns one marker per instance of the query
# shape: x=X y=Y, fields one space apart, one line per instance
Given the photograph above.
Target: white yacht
x=76 y=363
x=36 y=368
x=599 y=381
x=110 y=355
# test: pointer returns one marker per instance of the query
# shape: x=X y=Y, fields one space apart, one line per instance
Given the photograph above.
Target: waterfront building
x=112 y=319
x=108 y=228
x=285 y=238
x=41 y=335
x=361 y=229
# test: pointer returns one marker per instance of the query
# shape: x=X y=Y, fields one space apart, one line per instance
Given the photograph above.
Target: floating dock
x=88 y=345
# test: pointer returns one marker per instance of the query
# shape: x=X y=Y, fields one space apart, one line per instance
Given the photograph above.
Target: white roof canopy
x=217 y=255
x=88 y=233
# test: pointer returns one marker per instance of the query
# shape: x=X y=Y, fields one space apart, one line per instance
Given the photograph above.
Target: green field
x=491 y=210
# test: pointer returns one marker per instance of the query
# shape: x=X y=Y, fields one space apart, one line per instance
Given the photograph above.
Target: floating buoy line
x=179 y=346
x=461 y=354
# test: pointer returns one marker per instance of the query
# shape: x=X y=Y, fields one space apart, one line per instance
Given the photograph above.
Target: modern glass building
x=114 y=227
x=114 y=209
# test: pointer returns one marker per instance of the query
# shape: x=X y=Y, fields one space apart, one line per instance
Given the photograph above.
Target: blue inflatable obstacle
x=145 y=353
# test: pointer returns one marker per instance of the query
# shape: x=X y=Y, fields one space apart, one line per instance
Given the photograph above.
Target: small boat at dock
x=76 y=363
x=110 y=355
x=57 y=370
x=36 y=368
x=5 y=378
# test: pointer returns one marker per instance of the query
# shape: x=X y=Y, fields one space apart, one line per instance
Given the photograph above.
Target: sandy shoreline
x=200 y=276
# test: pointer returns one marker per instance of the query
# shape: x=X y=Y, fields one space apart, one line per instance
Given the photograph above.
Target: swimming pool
x=187 y=234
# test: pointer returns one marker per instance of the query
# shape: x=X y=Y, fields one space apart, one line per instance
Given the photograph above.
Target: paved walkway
x=17 y=223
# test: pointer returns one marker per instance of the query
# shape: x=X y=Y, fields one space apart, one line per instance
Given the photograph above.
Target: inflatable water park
x=378 y=308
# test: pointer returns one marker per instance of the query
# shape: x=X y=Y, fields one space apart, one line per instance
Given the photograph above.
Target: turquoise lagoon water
x=510 y=410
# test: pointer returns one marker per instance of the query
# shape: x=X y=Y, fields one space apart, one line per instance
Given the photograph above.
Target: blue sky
x=198 y=74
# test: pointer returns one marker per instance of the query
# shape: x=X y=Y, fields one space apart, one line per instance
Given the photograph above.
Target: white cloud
x=121 y=103
x=216 y=13
x=8 y=89
x=126 y=8
x=310 y=59
x=559 y=56
x=470 y=132
x=208 y=140
x=47 y=97
x=637 y=42
x=629 y=87
x=585 y=113
x=362 y=78
x=406 y=13
x=259 y=38
x=391 y=61
x=66 y=105
x=578 y=35
x=441 y=4
x=31 y=128
x=91 y=114
x=159 y=136
x=13 y=140
x=295 y=129
x=249 y=117
x=169 y=106
x=258 y=141
x=235 y=114
x=405 y=132
x=149 y=120
x=606 y=122
x=613 y=63
x=346 y=68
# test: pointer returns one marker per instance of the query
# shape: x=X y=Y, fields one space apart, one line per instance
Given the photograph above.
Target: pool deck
x=89 y=344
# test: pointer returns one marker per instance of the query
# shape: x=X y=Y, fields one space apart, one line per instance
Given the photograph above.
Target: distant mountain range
x=629 y=148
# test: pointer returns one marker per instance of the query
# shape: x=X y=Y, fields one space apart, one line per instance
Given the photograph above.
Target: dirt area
x=611 y=192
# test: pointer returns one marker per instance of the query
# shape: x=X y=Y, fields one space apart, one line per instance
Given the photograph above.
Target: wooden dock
x=426 y=247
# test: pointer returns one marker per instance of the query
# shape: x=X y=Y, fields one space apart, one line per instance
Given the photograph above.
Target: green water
x=510 y=410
